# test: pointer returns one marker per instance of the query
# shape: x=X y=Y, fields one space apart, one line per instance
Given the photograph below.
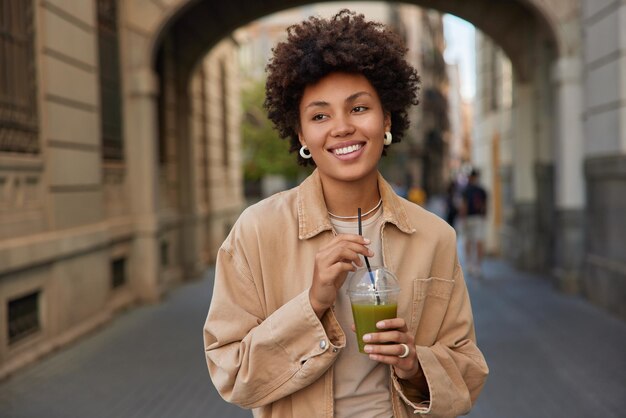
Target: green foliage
x=263 y=151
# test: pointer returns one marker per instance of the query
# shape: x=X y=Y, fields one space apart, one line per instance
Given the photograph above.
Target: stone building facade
x=82 y=233
x=420 y=160
x=551 y=138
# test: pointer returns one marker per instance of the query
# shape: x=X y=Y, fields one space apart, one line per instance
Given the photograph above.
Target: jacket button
x=322 y=344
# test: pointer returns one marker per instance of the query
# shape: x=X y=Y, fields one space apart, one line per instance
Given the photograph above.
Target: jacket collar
x=313 y=214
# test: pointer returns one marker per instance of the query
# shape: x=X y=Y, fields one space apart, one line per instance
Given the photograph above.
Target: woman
x=275 y=336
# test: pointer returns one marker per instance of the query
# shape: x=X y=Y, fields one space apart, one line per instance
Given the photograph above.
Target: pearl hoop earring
x=304 y=152
x=388 y=138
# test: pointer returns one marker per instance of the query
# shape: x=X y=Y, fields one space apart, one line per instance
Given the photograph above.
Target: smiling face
x=342 y=122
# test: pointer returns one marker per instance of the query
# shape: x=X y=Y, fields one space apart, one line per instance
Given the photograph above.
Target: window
x=118 y=272
x=110 y=81
x=225 y=130
x=204 y=168
x=507 y=83
x=23 y=316
x=18 y=88
x=495 y=82
x=164 y=69
x=165 y=254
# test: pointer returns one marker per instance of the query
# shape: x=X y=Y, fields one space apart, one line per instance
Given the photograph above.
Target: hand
x=386 y=347
x=332 y=264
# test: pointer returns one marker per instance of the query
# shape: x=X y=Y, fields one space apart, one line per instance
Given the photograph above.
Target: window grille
x=110 y=81
x=23 y=316
x=18 y=87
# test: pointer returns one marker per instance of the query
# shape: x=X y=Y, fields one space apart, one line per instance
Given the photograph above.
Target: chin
x=352 y=175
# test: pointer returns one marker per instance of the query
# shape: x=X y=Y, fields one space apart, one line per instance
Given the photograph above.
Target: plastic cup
x=374 y=297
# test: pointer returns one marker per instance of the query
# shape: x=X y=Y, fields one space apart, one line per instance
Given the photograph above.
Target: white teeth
x=348 y=149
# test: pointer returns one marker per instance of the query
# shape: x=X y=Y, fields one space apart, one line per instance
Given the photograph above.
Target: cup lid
x=378 y=280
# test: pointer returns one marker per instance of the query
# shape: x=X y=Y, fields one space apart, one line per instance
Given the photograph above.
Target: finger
x=348 y=254
x=393 y=323
x=390 y=354
x=353 y=327
x=354 y=246
x=357 y=239
x=342 y=268
x=393 y=359
x=329 y=267
x=393 y=336
x=336 y=273
x=395 y=350
x=354 y=238
x=402 y=365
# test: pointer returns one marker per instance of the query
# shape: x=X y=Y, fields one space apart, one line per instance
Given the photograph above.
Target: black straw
x=367 y=261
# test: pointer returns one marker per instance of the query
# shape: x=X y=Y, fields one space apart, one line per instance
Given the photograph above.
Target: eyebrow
x=350 y=98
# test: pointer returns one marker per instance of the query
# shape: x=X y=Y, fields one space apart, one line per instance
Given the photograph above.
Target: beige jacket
x=267 y=350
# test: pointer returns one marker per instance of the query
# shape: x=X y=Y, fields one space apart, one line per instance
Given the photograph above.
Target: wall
x=604 y=35
x=70 y=221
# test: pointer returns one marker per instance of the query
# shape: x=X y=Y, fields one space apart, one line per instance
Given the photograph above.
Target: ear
x=387 y=122
x=301 y=139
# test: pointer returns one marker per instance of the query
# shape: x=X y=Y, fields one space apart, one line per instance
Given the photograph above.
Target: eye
x=359 y=109
x=319 y=117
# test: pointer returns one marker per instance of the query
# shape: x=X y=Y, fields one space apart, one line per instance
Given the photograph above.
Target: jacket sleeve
x=454 y=368
x=253 y=358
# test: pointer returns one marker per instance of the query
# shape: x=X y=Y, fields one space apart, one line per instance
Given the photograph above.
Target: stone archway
x=518 y=27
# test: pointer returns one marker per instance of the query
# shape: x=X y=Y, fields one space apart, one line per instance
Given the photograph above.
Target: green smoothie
x=367 y=315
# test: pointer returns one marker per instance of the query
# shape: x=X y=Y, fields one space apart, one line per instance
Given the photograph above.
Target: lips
x=345 y=149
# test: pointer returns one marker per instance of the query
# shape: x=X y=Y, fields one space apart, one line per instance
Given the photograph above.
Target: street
x=551 y=355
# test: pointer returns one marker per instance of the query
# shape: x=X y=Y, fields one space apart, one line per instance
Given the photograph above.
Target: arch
x=197 y=25
x=549 y=22
x=193 y=27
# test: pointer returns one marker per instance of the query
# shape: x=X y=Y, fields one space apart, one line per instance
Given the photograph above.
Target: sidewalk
x=550 y=355
x=149 y=362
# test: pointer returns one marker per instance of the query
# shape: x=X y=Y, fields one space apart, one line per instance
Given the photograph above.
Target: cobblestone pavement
x=551 y=355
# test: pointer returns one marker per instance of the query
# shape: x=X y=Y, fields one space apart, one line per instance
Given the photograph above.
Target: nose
x=343 y=127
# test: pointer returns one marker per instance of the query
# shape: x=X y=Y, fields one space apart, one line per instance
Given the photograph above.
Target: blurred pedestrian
x=417 y=195
x=275 y=336
x=474 y=212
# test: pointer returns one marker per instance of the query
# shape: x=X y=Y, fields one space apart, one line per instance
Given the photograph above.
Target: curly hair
x=345 y=43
